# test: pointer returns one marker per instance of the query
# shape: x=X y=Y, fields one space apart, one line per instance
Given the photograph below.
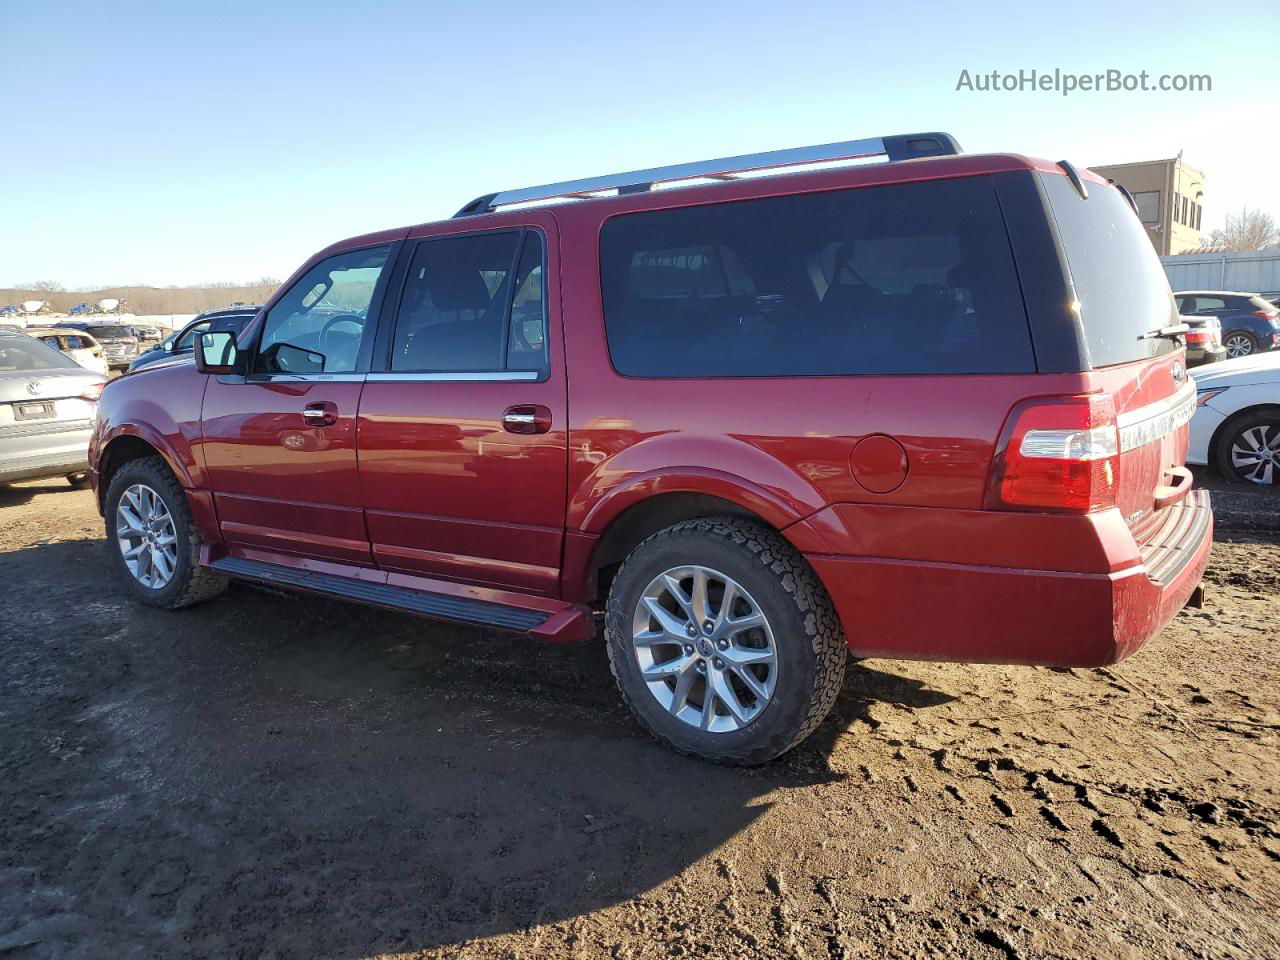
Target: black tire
x=809 y=641
x=191 y=583
x=1247 y=340
x=1233 y=434
x=78 y=481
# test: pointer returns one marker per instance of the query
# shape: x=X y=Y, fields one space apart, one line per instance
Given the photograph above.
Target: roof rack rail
x=892 y=148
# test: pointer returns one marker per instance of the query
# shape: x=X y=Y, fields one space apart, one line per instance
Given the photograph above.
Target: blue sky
x=181 y=143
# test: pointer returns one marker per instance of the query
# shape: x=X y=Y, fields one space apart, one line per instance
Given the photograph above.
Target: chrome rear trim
x=1146 y=424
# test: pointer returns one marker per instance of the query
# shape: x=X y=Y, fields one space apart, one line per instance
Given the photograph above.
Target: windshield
x=28 y=353
x=111 y=333
x=1119 y=283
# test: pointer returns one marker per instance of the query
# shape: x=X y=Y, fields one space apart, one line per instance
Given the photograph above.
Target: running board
x=567 y=623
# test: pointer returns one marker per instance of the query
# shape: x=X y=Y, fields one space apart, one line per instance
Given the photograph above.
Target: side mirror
x=217 y=354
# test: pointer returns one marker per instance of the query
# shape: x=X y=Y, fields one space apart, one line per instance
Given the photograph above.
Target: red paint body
x=880 y=481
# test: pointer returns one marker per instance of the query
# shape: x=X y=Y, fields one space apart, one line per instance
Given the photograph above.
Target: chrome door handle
x=321 y=413
x=527 y=418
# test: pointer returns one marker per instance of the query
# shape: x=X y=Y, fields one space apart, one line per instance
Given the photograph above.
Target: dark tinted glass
x=911 y=278
x=1119 y=283
x=111 y=333
x=453 y=314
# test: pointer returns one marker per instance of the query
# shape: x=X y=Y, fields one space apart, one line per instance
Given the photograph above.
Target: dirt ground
x=280 y=776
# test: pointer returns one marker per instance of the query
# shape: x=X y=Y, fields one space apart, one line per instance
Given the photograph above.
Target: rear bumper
x=1198 y=356
x=27 y=455
x=991 y=614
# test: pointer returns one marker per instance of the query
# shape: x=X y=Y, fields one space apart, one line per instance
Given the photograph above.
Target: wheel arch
x=641 y=518
x=129 y=445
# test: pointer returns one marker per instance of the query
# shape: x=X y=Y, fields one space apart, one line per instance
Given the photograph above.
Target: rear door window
x=1121 y=289
x=1208 y=305
x=902 y=279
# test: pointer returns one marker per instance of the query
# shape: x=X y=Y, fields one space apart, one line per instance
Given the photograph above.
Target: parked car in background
x=1237 y=423
x=120 y=342
x=79 y=345
x=180 y=343
x=1250 y=324
x=933 y=409
x=47 y=407
x=147 y=332
x=1203 y=340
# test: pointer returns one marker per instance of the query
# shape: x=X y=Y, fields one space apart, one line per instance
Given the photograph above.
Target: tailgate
x=1154 y=401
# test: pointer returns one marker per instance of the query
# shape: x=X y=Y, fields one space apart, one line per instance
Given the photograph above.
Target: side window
x=187 y=340
x=320 y=322
x=473 y=303
x=912 y=278
x=1210 y=304
x=527 y=339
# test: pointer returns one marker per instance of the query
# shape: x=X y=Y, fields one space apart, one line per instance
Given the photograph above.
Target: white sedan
x=1237 y=422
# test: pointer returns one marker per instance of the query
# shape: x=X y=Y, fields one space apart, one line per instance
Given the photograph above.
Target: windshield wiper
x=1171 y=333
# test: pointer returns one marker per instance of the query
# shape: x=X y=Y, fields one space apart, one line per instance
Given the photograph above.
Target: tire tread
x=821 y=625
x=203 y=583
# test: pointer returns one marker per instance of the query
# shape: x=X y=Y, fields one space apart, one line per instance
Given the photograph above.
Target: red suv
x=932 y=407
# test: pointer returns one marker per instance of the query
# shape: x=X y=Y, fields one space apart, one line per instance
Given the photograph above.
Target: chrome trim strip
x=305 y=378
x=484 y=376
x=1139 y=427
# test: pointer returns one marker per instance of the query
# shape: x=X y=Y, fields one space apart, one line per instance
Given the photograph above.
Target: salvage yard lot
x=272 y=775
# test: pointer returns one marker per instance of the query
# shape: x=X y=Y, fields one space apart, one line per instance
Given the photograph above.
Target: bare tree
x=1250 y=230
x=45 y=286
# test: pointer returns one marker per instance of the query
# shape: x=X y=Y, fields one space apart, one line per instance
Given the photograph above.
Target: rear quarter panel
x=778 y=446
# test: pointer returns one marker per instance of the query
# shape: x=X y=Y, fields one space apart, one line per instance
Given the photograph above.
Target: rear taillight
x=92 y=392
x=128 y=339
x=1058 y=453
x=1271 y=318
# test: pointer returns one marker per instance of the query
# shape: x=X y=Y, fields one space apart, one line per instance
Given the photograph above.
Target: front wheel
x=723 y=642
x=1249 y=449
x=154 y=539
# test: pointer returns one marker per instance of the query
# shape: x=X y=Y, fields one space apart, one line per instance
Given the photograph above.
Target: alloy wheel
x=705 y=648
x=1255 y=454
x=1238 y=345
x=146 y=536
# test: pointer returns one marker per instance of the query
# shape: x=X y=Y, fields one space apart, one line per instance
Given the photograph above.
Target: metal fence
x=1254 y=272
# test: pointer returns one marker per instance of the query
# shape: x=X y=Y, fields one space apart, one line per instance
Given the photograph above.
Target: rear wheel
x=1239 y=344
x=723 y=642
x=154 y=539
x=1249 y=449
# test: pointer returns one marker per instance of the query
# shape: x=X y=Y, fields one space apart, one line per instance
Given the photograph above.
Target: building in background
x=1170 y=198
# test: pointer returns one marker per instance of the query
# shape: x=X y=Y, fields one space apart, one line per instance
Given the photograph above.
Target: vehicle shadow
x=12 y=496
x=275 y=774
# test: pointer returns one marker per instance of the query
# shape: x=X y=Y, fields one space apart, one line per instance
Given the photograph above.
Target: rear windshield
x=1119 y=283
x=111 y=333
x=28 y=353
x=902 y=279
